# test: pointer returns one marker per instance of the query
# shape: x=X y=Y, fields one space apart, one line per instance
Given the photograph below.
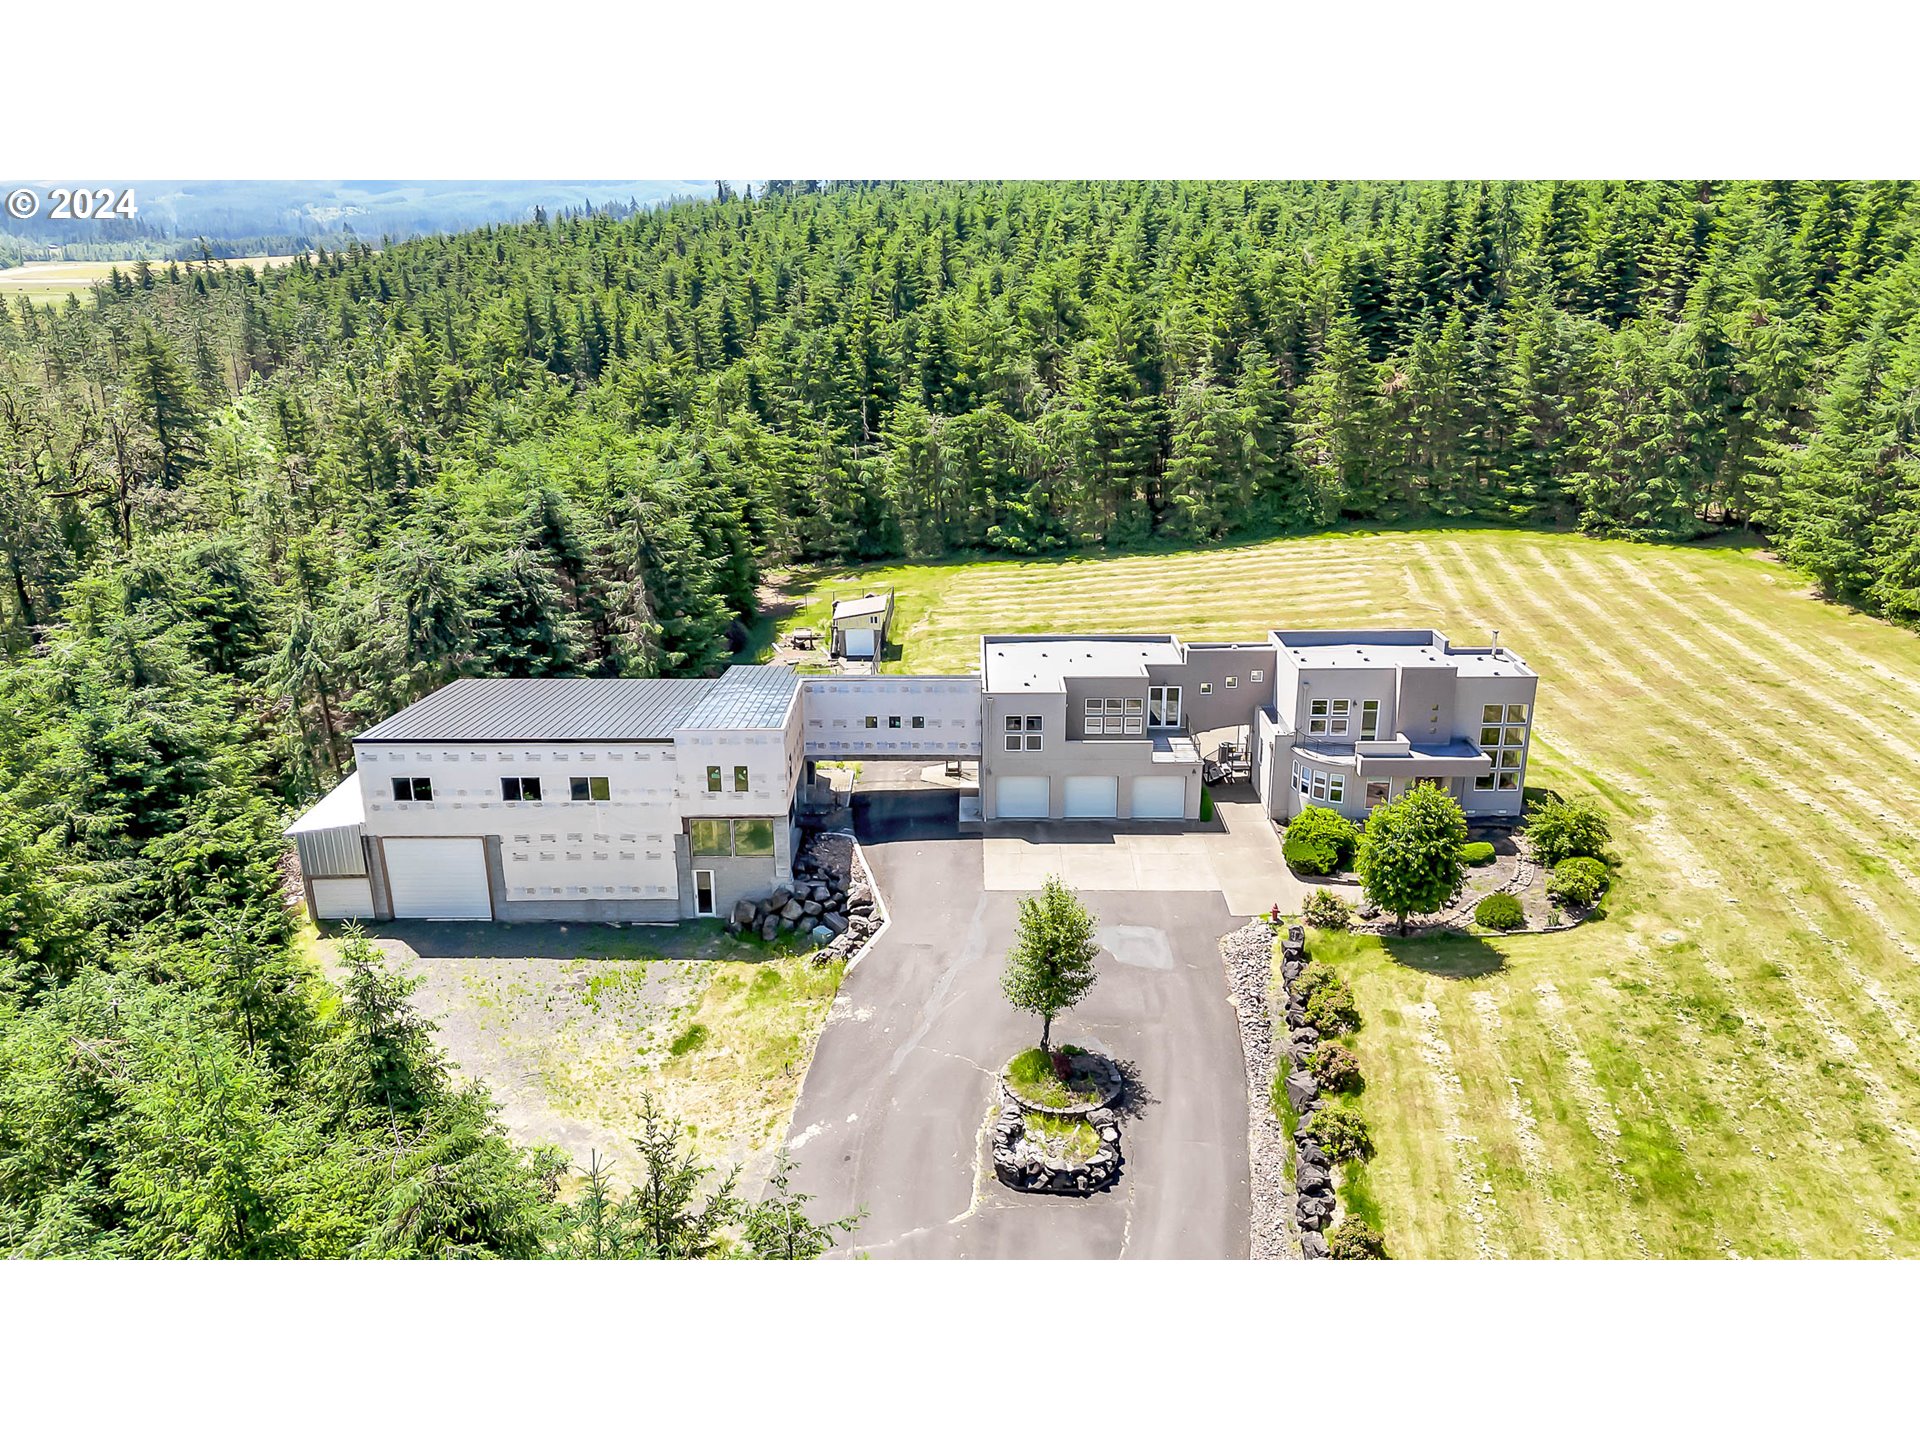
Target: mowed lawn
x=1729 y=1062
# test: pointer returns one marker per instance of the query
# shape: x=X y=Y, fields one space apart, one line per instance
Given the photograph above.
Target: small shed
x=330 y=841
x=860 y=625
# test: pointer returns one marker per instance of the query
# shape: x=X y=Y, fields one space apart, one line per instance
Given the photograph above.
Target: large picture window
x=731 y=837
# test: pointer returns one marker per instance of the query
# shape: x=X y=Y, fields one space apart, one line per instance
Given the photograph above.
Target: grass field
x=1729 y=1062
x=50 y=281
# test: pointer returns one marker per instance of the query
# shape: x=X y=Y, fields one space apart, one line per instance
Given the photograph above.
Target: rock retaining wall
x=1248 y=956
x=1314 y=1204
x=1021 y=1164
x=831 y=900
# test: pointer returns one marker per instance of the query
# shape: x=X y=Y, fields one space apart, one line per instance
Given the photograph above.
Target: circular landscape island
x=1057 y=1131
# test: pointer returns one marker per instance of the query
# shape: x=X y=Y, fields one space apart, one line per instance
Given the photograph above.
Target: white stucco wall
x=835 y=711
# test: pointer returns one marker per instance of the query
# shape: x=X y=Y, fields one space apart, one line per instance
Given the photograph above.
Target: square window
x=1258 y=676
x=1233 y=682
x=1013 y=742
x=1319 y=785
x=1509 y=780
x=1339 y=726
x=713 y=779
x=1516 y=735
x=1095 y=707
x=1516 y=714
x=1206 y=687
x=1509 y=759
x=893 y=722
x=741 y=779
x=1033 y=742
x=1013 y=722
x=1483 y=782
x=872 y=722
x=1316 y=727
x=1341 y=707
x=1319 y=707
x=1491 y=714
x=1033 y=721
x=1490 y=736
x=1134 y=707
x=919 y=722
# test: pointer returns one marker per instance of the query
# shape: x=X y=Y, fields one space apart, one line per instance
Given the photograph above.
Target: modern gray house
x=659 y=800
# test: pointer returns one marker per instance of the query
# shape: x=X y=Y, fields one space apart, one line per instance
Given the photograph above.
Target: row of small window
x=1320 y=784
x=1495 y=714
x=742 y=781
x=1023 y=732
x=872 y=722
x=418 y=789
x=1500 y=780
x=731 y=837
x=1333 y=717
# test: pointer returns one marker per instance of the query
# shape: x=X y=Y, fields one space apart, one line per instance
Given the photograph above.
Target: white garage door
x=1163 y=797
x=438 y=880
x=350 y=899
x=1021 y=797
x=1092 y=797
x=860 y=643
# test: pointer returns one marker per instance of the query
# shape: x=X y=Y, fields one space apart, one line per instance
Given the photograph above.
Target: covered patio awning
x=1398 y=757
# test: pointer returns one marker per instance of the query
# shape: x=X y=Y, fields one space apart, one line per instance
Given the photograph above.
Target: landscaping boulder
x=1305 y=1038
x=835 y=922
x=1301 y=1089
x=780 y=897
x=770 y=927
x=792 y=911
x=814 y=907
x=1312 y=1154
x=1313 y=1180
x=1313 y=1245
x=743 y=914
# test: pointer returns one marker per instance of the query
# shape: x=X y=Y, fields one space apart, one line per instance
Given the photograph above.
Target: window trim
x=1369 y=728
x=1169 y=703
x=577 y=784
x=521 y=784
x=415 y=784
x=713 y=780
x=742 y=779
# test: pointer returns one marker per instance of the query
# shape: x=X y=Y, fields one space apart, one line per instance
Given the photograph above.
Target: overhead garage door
x=859 y=644
x=347 y=899
x=1091 y=797
x=1160 y=797
x=438 y=880
x=1021 y=797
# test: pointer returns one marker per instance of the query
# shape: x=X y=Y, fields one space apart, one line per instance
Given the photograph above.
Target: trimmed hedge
x=1477 y=852
x=1319 y=841
x=1500 y=911
x=1578 y=880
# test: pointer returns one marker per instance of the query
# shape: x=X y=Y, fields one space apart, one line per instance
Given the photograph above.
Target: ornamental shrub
x=1313 y=975
x=1578 y=880
x=1500 y=911
x=1477 y=852
x=1409 y=858
x=1334 y=1067
x=1319 y=841
x=1331 y=1010
x=1341 y=1133
x=1556 y=829
x=1354 y=1239
x=1327 y=911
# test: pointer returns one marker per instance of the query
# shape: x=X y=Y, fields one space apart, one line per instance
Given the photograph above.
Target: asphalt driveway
x=894 y=1108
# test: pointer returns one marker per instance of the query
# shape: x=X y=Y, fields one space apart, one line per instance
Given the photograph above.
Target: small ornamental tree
x=1050 y=967
x=1409 y=859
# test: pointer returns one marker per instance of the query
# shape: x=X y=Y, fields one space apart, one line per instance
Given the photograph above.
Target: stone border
x=1112 y=1083
x=1247 y=955
x=1019 y=1164
x=1317 y=1203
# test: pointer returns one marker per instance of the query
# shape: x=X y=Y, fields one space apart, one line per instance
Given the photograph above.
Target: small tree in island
x=1050 y=967
x=1409 y=856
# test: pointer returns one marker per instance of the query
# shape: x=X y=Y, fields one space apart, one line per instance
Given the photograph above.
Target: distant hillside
x=278 y=215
